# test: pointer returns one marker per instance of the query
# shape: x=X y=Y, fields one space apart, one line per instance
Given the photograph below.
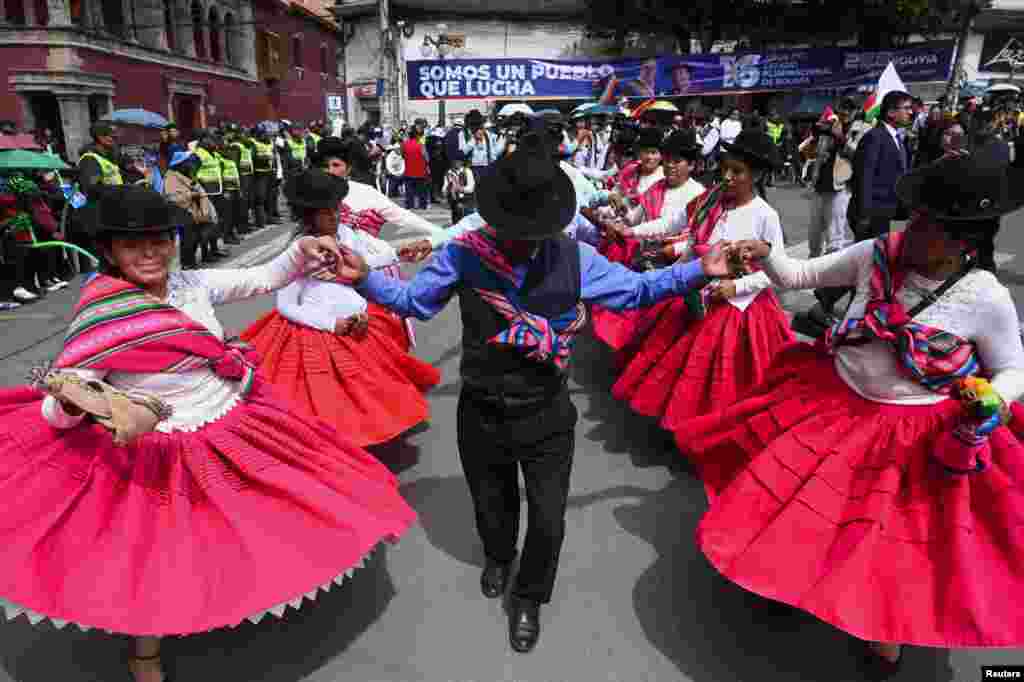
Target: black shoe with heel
x=523 y=624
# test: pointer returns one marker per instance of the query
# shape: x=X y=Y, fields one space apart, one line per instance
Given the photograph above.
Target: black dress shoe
x=523 y=624
x=494 y=579
x=234 y=241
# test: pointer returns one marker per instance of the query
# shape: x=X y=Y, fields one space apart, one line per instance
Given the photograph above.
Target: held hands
x=320 y=251
x=749 y=251
x=340 y=264
x=356 y=325
x=416 y=251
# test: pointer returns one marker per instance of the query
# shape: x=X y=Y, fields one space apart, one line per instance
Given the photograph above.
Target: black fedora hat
x=526 y=195
x=332 y=147
x=474 y=119
x=978 y=186
x=133 y=208
x=649 y=138
x=316 y=189
x=681 y=144
x=755 y=147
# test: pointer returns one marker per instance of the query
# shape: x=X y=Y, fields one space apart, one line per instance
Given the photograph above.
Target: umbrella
x=19 y=159
x=137 y=117
x=1004 y=87
x=271 y=127
x=512 y=109
x=609 y=109
x=20 y=141
x=662 y=105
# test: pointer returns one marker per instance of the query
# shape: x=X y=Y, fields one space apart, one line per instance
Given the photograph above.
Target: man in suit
x=882 y=157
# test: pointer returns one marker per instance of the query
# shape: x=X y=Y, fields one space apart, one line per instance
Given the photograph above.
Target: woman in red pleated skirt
x=339 y=358
x=689 y=356
x=875 y=481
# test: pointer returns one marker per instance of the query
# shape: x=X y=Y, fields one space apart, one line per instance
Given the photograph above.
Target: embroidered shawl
x=119 y=327
x=538 y=337
x=933 y=357
x=653 y=200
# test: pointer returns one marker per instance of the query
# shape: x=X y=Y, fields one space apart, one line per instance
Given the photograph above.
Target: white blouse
x=673 y=213
x=319 y=305
x=361 y=197
x=754 y=220
x=977 y=308
x=201 y=396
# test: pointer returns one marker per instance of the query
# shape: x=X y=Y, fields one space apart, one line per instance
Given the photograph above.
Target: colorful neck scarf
x=653 y=200
x=538 y=337
x=934 y=358
x=120 y=328
x=368 y=220
x=703 y=214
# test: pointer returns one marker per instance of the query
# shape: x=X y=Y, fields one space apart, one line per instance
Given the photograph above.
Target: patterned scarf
x=653 y=200
x=934 y=358
x=368 y=220
x=703 y=215
x=119 y=327
x=538 y=337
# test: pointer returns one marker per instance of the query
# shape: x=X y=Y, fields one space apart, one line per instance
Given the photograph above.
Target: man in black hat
x=480 y=145
x=522 y=286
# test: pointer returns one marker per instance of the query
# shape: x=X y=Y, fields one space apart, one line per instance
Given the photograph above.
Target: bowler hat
x=133 y=208
x=681 y=144
x=474 y=119
x=973 y=187
x=316 y=189
x=333 y=146
x=526 y=195
x=755 y=147
x=648 y=138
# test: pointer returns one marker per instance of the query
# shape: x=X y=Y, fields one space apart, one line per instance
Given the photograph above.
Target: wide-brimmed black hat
x=755 y=147
x=132 y=208
x=333 y=146
x=474 y=119
x=526 y=195
x=977 y=186
x=316 y=189
x=649 y=138
x=681 y=144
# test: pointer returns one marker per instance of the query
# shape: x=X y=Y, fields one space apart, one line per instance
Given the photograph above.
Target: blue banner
x=699 y=74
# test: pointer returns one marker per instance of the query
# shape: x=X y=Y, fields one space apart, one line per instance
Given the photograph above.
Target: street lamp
x=442 y=47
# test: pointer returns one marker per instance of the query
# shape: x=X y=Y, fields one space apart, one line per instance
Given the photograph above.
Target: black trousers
x=260 y=190
x=495 y=443
x=243 y=200
x=273 y=188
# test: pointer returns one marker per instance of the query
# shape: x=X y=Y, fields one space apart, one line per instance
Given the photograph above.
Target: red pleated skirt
x=184 y=532
x=615 y=328
x=371 y=389
x=833 y=504
x=677 y=368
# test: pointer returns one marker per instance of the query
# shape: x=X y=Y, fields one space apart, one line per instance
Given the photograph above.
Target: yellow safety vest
x=110 y=173
x=775 y=131
x=316 y=138
x=209 y=167
x=245 y=162
x=298 y=149
x=263 y=156
x=229 y=171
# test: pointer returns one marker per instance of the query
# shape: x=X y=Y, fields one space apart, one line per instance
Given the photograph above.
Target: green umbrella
x=20 y=159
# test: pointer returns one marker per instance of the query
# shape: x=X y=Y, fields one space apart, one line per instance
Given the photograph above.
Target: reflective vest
x=209 y=168
x=110 y=173
x=229 y=171
x=315 y=138
x=775 y=131
x=245 y=161
x=298 y=149
x=263 y=156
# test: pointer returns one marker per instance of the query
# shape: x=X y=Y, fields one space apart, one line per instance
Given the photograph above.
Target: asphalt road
x=635 y=600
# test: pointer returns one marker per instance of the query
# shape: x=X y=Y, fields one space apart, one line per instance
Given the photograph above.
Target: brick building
x=67 y=63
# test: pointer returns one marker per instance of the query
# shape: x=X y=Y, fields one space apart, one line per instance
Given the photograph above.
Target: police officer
x=264 y=170
x=210 y=177
x=232 y=186
x=239 y=152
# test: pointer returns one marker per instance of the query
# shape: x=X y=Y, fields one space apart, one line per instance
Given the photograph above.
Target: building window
x=198 y=33
x=339 y=62
x=215 y=36
x=75 y=10
x=269 y=62
x=325 y=61
x=229 y=38
x=297 y=51
x=169 y=29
